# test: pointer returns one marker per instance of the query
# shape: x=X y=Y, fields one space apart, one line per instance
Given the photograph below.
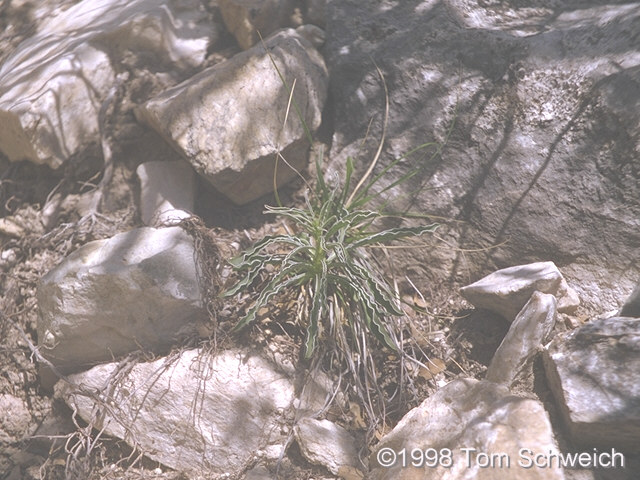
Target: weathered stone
x=167 y=191
x=631 y=307
x=538 y=114
x=138 y=289
x=568 y=298
x=53 y=86
x=314 y=34
x=593 y=373
x=471 y=419
x=315 y=12
x=245 y=19
x=196 y=412
x=526 y=336
x=15 y=419
x=228 y=120
x=508 y=290
x=324 y=443
x=258 y=473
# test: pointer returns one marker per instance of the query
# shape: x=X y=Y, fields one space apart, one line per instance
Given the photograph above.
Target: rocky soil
x=138 y=141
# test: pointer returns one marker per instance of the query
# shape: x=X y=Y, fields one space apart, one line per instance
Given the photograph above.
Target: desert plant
x=327 y=261
x=345 y=303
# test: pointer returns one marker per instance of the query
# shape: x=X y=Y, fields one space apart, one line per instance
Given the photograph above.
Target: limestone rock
x=258 y=473
x=167 y=191
x=631 y=307
x=53 y=86
x=246 y=18
x=568 y=298
x=195 y=412
x=593 y=373
x=508 y=290
x=539 y=119
x=15 y=419
x=315 y=12
x=228 y=120
x=526 y=336
x=314 y=34
x=138 y=289
x=324 y=443
x=477 y=422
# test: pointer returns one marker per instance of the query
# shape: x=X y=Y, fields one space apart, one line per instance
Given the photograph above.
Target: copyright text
x=474 y=458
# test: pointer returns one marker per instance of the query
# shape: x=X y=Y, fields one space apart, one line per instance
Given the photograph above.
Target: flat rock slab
x=324 y=443
x=228 y=120
x=53 y=86
x=482 y=425
x=193 y=412
x=508 y=290
x=526 y=336
x=138 y=289
x=594 y=374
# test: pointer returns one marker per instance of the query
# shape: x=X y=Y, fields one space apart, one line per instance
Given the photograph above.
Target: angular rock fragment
x=508 y=290
x=631 y=307
x=324 y=443
x=315 y=13
x=526 y=336
x=475 y=428
x=15 y=419
x=194 y=412
x=248 y=19
x=167 y=191
x=228 y=120
x=53 y=86
x=138 y=289
x=593 y=372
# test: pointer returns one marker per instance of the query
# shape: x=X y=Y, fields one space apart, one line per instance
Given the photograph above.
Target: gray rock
x=15 y=419
x=167 y=191
x=228 y=120
x=526 y=336
x=138 y=289
x=314 y=34
x=475 y=421
x=324 y=443
x=258 y=473
x=538 y=109
x=53 y=86
x=315 y=12
x=568 y=298
x=593 y=373
x=631 y=307
x=246 y=18
x=508 y=290
x=194 y=412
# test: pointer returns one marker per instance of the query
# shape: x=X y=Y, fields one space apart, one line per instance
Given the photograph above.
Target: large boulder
x=138 y=289
x=54 y=85
x=593 y=373
x=229 y=120
x=537 y=108
x=193 y=412
x=467 y=429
